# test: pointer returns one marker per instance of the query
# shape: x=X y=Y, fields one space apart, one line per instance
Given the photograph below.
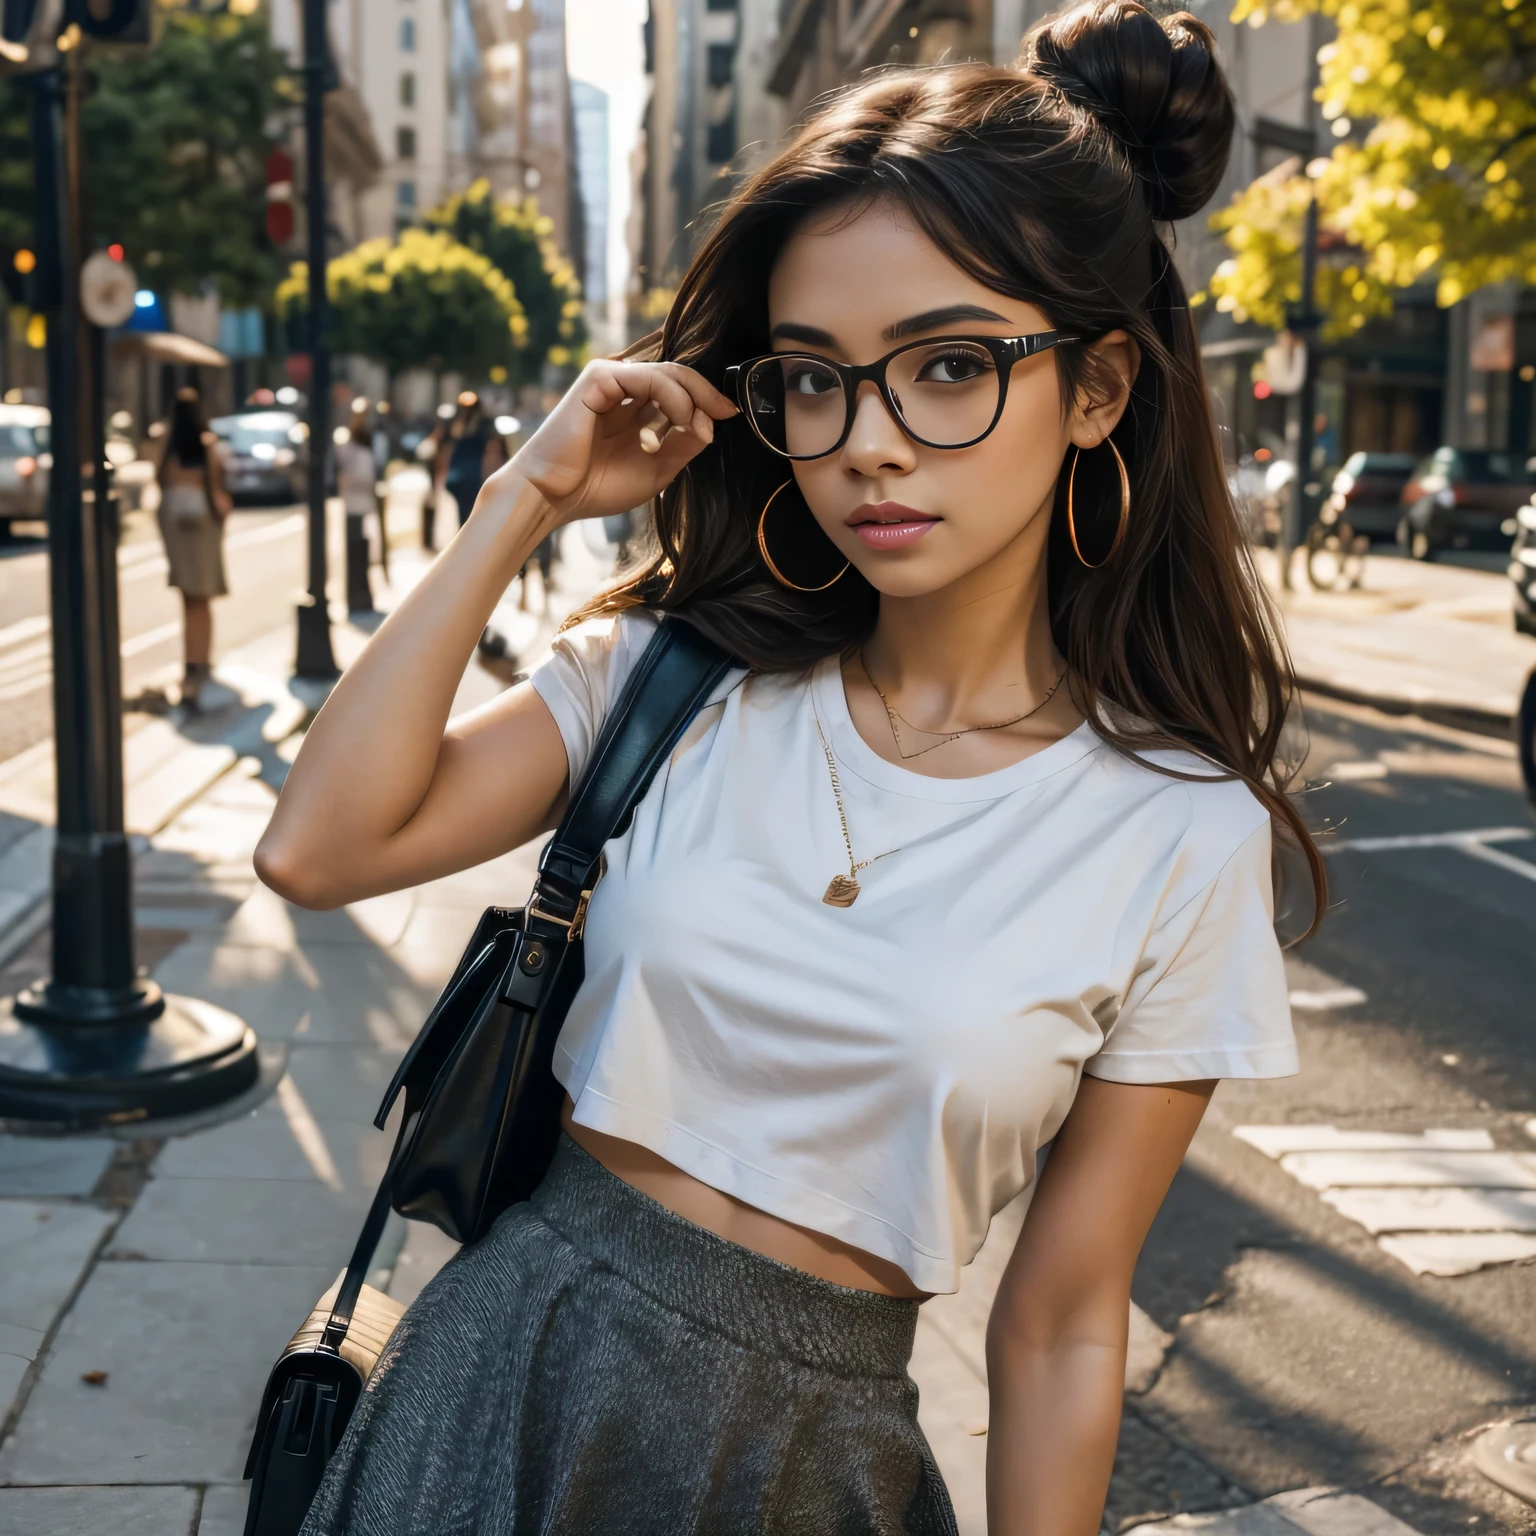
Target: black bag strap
x=676 y=673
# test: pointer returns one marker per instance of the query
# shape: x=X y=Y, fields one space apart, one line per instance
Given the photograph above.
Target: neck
x=978 y=648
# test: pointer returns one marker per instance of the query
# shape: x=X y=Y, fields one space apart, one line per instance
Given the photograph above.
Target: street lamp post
x=95 y=1041
x=315 y=659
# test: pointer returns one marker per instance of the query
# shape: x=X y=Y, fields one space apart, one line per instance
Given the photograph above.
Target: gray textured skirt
x=596 y=1366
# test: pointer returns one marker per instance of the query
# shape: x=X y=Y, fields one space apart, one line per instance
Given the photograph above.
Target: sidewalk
x=1428 y=639
x=148 y=1276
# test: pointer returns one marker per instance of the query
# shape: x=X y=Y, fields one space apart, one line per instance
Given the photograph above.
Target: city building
x=589 y=113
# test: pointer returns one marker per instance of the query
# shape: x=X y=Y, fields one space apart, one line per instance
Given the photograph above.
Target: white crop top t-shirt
x=885 y=1073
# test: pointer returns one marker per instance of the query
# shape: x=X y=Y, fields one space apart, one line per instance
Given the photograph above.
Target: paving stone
x=51 y=1165
x=340 y=994
x=242 y=1221
x=98 y=1511
x=43 y=1252
x=282 y=1139
x=224 y=1510
x=423 y=1253
x=186 y=1347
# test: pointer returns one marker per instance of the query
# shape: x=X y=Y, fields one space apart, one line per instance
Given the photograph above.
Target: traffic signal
x=27 y=30
x=121 y=21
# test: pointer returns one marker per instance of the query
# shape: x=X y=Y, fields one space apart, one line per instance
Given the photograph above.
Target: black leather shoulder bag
x=482 y=1106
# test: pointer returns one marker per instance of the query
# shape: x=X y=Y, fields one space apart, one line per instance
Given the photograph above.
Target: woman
x=473 y=451
x=975 y=860
x=194 y=505
x=357 y=478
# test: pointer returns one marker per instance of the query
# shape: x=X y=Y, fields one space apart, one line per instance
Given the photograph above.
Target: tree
x=422 y=301
x=176 y=139
x=517 y=238
x=1434 y=177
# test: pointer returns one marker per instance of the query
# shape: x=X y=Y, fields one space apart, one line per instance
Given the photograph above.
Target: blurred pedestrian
x=194 y=505
x=357 y=477
x=474 y=451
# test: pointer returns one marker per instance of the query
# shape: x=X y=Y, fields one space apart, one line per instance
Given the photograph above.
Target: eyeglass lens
x=946 y=394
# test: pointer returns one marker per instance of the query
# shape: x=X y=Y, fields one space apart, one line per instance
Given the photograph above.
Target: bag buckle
x=574 y=925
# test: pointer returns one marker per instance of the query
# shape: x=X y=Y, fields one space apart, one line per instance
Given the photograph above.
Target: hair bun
x=1155 y=85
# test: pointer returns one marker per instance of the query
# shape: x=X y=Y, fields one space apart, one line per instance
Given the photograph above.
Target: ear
x=1112 y=363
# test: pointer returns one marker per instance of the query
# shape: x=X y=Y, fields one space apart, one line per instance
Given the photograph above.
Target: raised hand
x=621 y=433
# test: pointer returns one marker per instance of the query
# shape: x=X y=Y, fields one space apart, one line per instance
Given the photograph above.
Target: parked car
x=268 y=457
x=1461 y=498
x=1366 y=492
x=1522 y=567
x=1525 y=737
x=24 y=463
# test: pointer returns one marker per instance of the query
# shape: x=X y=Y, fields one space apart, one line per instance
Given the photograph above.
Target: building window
x=720 y=60
x=405 y=197
x=720 y=140
x=407 y=34
x=407 y=90
x=723 y=5
x=405 y=143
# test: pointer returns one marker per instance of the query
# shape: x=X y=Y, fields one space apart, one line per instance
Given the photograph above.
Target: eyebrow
x=929 y=320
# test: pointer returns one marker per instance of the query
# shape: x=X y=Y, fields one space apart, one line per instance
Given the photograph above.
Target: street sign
x=107 y=289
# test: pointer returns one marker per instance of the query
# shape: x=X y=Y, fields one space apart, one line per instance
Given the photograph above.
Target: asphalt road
x=1304 y=1353
x=264 y=556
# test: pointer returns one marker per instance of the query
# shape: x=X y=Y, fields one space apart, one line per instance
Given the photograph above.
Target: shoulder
x=1191 y=816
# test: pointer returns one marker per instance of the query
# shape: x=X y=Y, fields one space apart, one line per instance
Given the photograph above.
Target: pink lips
x=889 y=525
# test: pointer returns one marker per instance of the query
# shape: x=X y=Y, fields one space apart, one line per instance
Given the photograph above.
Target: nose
x=876 y=444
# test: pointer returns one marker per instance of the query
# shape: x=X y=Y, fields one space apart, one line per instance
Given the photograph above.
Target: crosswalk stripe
x=1480 y=837
x=1441 y=1202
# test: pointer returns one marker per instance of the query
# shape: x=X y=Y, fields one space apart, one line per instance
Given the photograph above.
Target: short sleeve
x=1211 y=998
x=585 y=674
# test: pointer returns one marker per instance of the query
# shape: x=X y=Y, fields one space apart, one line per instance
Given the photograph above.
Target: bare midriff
x=727 y=1217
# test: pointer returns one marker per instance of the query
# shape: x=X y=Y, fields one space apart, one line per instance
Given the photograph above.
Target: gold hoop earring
x=1125 y=507
x=778 y=575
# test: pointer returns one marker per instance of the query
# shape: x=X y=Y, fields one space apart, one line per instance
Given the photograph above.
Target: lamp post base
x=314 y=658
x=86 y=1060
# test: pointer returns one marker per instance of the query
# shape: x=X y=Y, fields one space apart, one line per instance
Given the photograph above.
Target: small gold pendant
x=843 y=891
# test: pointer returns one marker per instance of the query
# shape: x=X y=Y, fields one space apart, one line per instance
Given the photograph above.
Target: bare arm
x=385 y=792
x=1057 y=1337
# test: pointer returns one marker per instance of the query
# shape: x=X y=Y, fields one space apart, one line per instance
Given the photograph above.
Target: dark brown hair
x=1046 y=182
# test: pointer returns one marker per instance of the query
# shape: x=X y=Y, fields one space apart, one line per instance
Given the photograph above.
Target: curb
x=1461 y=717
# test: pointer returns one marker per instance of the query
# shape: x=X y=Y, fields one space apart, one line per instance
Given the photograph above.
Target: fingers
x=680 y=394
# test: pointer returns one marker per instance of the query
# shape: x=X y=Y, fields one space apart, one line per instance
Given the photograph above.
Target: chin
x=905 y=576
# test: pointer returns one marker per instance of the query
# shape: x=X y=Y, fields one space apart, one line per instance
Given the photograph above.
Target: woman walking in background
x=193 y=507
x=474 y=451
x=970 y=858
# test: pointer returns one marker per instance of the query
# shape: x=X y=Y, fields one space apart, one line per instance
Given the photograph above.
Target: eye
x=806 y=378
x=956 y=366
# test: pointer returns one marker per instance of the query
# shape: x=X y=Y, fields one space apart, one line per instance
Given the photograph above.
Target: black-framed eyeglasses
x=944 y=392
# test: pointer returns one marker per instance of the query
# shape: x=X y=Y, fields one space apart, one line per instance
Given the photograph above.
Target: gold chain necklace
x=843 y=890
x=892 y=716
